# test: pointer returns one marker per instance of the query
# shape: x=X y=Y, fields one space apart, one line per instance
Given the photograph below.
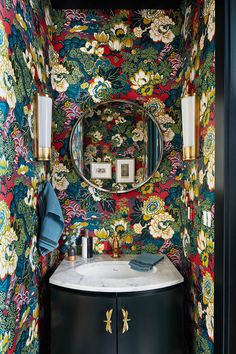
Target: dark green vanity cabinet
x=147 y=322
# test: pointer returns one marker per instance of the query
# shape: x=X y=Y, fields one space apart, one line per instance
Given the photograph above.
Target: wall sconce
x=42 y=126
x=190 y=106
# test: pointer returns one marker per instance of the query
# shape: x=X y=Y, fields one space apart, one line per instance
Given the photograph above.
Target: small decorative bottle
x=71 y=253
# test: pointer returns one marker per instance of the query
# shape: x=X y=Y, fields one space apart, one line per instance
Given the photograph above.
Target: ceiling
x=119 y=4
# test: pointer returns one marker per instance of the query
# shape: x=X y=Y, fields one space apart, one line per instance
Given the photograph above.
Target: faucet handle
x=115 y=246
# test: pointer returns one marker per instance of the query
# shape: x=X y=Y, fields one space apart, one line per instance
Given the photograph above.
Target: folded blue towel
x=51 y=219
x=145 y=261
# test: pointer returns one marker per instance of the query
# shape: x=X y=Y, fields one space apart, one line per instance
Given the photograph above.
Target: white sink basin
x=104 y=274
x=111 y=270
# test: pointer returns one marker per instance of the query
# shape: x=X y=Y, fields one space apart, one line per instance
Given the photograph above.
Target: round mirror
x=116 y=146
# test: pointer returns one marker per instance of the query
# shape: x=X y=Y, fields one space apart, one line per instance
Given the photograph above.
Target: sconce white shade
x=189 y=126
x=43 y=125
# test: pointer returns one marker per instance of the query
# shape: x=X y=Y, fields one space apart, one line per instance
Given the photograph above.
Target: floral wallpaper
x=199 y=177
x=127 y=54
x=150 y=57
x=23 y=56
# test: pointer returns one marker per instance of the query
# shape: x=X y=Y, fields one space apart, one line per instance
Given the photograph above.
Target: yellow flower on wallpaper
x=160 y=226
x=3 y=166
x=154 y=205
x=140 y=79
x=101 y=37
x=102 y=233
x=208 y=288
x=209 y=143
x=147 y=90
x=128 y=43
x=78 y=28
x=21 y=21
x=7 y=82
x=33 y=332
x=4 y=341
x=3 y=41
x=205 y=259
x=128 y=239
x=147 y=188
x=22 y=170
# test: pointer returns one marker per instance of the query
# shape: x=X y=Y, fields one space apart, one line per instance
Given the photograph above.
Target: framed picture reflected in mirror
x=100 y=170
x=125 y=170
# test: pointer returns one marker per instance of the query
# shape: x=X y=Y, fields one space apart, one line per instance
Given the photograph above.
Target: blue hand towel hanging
x=51 y=219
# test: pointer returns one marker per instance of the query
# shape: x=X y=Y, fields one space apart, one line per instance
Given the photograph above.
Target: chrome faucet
x=115 y=246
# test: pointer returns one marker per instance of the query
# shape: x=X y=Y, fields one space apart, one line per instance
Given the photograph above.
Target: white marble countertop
x=108 y=275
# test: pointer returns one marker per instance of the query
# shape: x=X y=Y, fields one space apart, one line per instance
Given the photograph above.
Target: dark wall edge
x=122 y=4
x=220 y=329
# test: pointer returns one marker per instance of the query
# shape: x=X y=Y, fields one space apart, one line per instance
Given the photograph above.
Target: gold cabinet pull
x=125 y=321
x=108 y=321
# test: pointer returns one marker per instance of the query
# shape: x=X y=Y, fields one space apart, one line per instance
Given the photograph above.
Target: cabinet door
x=77 y=323
x=151 y=323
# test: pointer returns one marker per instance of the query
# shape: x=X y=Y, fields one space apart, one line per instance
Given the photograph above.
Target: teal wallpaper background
x=126 y=54
x=199 y=178
x=24 y=40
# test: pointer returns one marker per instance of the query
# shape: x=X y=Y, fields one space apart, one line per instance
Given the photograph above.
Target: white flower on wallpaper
x=157 y=108
x=160 y=226
x=139 y=79
x=59 y=180
x=98 y=88
x=8 y=256
x=119 y=30
x=31 y=252
x=186 y=242
x=211 y=173
x=7 y=82
x=185 y=27
x=92 y=48
x=58 y=79
x=160 y=30
x=209 y=18
x=138 y=32
x=140 y=132
x=201 y=242
x=210 y=320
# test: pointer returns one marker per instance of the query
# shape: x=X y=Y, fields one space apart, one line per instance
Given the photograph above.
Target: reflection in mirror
x=116 y=146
